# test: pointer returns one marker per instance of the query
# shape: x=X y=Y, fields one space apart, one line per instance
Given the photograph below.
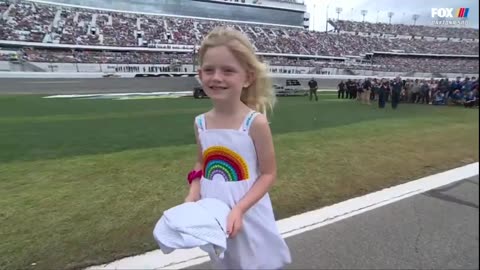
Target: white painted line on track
x=304 y=222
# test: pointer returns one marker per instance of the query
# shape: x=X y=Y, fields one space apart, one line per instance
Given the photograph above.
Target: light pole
x=415 y=18
x=364 y=12
x=313 y=16
x=326 y=21
x=338 y=10
x=390 y=15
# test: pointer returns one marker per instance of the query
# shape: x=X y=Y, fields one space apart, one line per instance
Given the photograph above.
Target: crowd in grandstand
x=34 y=22
x=425 y=64
x=406 y=30
x=4 y=57
x=110 y=57
x=27 y=21
x=434 y=92
x=389 y=63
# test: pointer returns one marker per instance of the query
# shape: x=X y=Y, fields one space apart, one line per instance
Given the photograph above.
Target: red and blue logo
x=462 y=12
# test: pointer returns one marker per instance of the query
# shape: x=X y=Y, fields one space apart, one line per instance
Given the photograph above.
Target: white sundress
x=229 y=171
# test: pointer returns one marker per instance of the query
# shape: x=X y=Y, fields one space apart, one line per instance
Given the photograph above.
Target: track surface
x=118 y=85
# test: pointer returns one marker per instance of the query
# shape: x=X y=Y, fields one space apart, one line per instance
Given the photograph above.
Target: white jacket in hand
x=194 y=224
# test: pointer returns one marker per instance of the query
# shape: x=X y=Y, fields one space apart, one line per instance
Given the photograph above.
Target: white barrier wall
x=53 y=67
x=83 y=67
x=71 y=68
x=54 y=75
x=4 y=66
x=281 y=76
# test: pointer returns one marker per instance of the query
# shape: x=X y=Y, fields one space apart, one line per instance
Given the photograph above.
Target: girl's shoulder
x=259 y=128
x=200 y=120
x=259 y=119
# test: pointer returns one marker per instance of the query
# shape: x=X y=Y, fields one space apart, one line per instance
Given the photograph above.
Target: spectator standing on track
x=466 y=86
x=382 y=92
x=341 y=90
x=376 y=84
x=352 y=89
x=425 y=93
x=367 y=87
x=359 y=90
x=396 y=90
x=456 y=85
x=313 y=89
x=414 y=97
x=347 y=86
x=387 y=94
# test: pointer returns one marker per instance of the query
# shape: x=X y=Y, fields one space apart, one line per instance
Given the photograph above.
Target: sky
x=377 y=10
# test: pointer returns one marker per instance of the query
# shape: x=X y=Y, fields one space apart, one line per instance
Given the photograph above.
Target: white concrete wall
x=62 y=75
x=72 y=70
x=54 y=75
x=4 y=66
x=84 y=67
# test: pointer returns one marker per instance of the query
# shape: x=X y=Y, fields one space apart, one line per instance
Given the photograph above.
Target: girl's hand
x=193 y=192
x=234 y=222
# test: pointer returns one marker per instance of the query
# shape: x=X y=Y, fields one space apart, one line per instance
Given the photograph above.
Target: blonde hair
x=259 y=95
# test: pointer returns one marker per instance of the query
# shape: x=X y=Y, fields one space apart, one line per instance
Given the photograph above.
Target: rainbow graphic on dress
x=221 y=160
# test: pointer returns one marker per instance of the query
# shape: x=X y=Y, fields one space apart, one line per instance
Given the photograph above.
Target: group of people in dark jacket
x=370 y=90
x=435 y=92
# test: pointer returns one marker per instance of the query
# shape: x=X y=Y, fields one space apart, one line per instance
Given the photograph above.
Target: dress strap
x=247 y=123
x=200 y=121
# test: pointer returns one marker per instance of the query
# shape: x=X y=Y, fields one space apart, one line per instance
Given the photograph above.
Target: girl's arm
x=262 y=138
x=194 y=191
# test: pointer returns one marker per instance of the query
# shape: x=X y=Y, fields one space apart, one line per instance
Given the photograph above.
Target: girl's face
x=222 y=76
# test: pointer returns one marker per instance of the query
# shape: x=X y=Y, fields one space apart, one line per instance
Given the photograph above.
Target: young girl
x=236 y=158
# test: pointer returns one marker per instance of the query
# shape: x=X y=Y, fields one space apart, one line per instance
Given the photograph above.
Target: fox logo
x=450 y=12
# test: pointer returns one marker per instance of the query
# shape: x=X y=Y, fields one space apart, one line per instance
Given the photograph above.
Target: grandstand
x=94 y=36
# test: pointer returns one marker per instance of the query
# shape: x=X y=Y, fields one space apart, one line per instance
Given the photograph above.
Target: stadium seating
x=34 y=22
x=406 y=30
x=28 y=21
x=387 y=63
x=90 y=56
x=427 y=65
